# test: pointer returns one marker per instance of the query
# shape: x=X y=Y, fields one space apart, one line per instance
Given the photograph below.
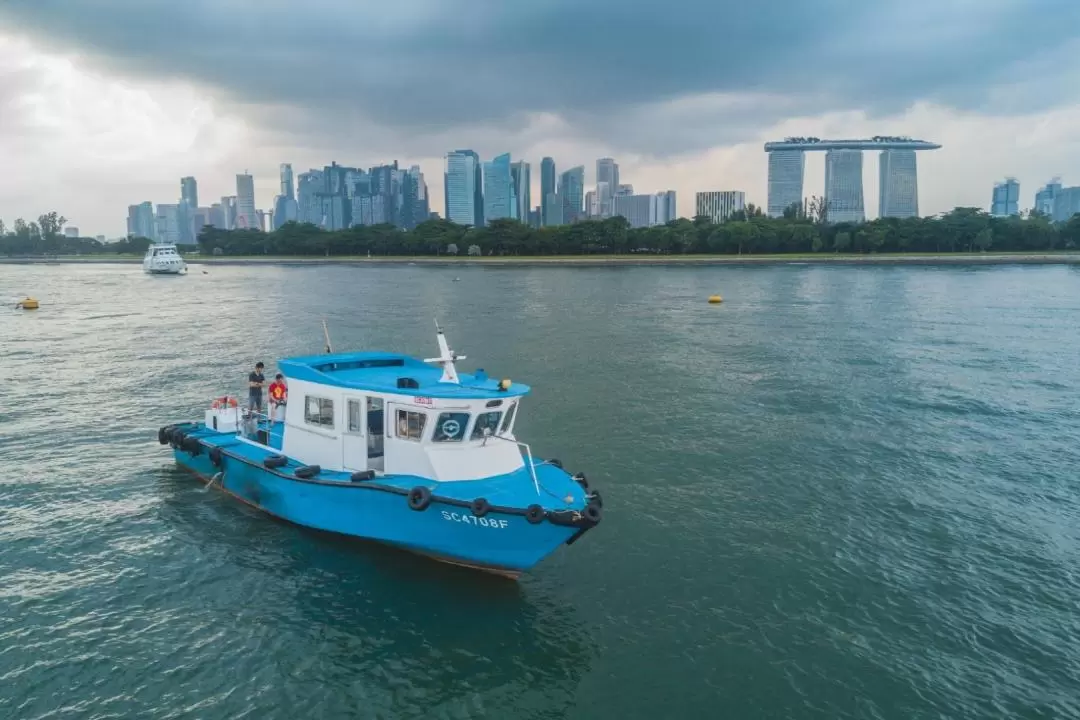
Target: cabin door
x=354 y=439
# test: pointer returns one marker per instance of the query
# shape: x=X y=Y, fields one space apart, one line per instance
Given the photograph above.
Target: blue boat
x=402 y=451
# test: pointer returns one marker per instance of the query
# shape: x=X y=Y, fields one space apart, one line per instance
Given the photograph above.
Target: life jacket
x=277 y=391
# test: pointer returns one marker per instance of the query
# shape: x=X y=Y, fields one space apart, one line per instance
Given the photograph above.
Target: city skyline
x=136 y=116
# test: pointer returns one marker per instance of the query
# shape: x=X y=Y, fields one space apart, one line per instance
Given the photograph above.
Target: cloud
x=424 y=68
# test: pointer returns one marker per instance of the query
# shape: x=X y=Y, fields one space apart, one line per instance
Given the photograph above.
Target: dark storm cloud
x=415 y=65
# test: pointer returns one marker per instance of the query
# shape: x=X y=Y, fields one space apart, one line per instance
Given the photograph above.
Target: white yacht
x=163 y=259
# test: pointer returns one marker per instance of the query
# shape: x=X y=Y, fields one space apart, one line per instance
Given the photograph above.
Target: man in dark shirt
x=255 y=388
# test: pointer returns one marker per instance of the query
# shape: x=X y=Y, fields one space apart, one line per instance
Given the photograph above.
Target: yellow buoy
x=28 y=304
x=714 y=299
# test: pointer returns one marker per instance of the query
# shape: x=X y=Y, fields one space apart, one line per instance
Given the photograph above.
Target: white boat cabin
x=397 y=415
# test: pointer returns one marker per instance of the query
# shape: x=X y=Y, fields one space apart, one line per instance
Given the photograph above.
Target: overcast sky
x=106 y=103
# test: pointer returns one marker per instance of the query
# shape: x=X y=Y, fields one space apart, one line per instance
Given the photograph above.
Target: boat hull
x=500 y=542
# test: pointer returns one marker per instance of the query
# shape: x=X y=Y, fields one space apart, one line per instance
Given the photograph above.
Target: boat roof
x=380 y=371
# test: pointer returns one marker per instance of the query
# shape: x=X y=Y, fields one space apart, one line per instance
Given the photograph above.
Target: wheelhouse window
x=410 y=424
x=319 y=411
x=486 y=424
x=450 y=427
x=354 y=413
x=511 y=410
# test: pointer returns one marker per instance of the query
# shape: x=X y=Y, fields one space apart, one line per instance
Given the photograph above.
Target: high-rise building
x=1044 y=198
x=844 y=186
x=167 y=220
x=572 y=193
x=592 y=205
x=547 y=186
x=607 y=180
x=1066 y=204
x=554 y=214
x=786 y=168
x=245 y=202
x=898 y=187
x=463 y=190
x=665 y=208
x=1006 y=199
x=285 y=206
x=217 y=216
x=71 y=231
x=639 y=210
x=522 y=182
x=310 y=186
x=287 y=180
x=189 y=192
x=141 y=221
x=229 y=213
x=498 y=189
x=719 y=205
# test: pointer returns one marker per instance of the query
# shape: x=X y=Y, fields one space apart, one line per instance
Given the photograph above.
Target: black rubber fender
x=216 y=456
x=535 y=514
x=581 y=480
x=163 y=434
x=593 y=513
x=480 y=507
x=275 y=461
x=556 y=462
x=595 y=499
x=192 y=446
x=419 y=498
x=177 y=439
x=307 y=471
x=362 y=475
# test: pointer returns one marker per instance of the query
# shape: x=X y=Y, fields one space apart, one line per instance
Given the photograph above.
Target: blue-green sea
x=846 y=492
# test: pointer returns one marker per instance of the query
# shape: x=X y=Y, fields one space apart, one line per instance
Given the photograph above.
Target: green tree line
x=747 y=232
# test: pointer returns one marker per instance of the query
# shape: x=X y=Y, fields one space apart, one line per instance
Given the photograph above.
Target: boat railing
x=528 y=454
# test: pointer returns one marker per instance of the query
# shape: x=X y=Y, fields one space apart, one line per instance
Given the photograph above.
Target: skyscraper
x=141 y=221
x=843 y=186
x=167 y=222
x=498 y=189
x=189 y=192
x=287 y=180
x=718 y=206
x=572 y=193
x=308 y=203
x=665 y=210
x=607 y=180
x=785 y=180
x=463 y=191
x=520 y=176
x=898 y=188
x=245 y=202
x=639 y=210
x=1044 y=198
x=547 y=186
x=1006 y=199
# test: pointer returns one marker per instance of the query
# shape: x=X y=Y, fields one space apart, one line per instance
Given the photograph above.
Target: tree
x=984 y=239
x=452 y=249
x=474 y=251
x=842 y=242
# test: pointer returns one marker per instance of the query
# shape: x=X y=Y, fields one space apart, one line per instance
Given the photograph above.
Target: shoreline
x=1052 y=258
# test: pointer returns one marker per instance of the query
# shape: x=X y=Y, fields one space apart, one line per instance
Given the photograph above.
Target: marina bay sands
x=898 y=192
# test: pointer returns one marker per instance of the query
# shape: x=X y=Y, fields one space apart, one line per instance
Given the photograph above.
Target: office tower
x=554 y=213
x=898 y=187
x=719 y=205
x=463 y=191
x=1006 y=198
x=167 y=220
x=844 y=186
x=286 y=208
x=607 y=180
x=229 y=212
x=665 y=208
x=1044 y=198
x=141 y=221
x=547 y=186
x=520 y=176
x=639 y=210
x=308 y=203
x=498 y=189
x=245 y=202
x=572 y=193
